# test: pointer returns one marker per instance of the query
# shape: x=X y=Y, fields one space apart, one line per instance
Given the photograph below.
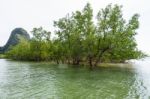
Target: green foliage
x=2 y=56
x=20 y=51
x=78 y=39
x=14 y=39
x=37 y=49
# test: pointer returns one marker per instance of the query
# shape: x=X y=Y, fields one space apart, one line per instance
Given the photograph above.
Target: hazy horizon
x=32 y=13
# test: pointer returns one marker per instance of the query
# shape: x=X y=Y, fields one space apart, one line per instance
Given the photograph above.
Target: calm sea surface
x=29 y=80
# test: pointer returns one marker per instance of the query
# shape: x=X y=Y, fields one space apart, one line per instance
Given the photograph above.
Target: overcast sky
x=35 y=13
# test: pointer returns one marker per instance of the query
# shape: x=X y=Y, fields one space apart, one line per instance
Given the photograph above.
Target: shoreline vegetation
x=2 y=56
x=79 y=40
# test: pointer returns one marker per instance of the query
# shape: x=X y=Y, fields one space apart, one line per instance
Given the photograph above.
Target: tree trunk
x=100 y=55
x=96 y=63
x=90 y=62
x=57 y=61
x=78 y=62
x=73 y=61
x=69 y=61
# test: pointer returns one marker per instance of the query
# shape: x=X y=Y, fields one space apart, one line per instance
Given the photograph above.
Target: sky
x=35 y=13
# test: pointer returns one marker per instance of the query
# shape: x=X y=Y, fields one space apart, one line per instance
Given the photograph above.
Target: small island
x=78 y=40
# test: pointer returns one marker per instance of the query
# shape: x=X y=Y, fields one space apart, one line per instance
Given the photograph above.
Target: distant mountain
x=14 y=38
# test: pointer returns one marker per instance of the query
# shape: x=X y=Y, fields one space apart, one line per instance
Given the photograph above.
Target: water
x=28 y=80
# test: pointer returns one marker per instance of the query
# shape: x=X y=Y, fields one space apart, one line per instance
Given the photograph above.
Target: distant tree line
x=80 y=40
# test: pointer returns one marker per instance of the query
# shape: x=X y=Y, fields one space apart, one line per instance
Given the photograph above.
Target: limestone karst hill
x=14 y=39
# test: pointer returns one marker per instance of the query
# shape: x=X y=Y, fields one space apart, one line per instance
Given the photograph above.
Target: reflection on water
x=42 y=81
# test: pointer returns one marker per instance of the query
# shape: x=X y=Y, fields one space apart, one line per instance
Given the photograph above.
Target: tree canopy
x=80 y=41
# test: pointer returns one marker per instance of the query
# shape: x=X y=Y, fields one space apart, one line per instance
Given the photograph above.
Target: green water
x=28 y=80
